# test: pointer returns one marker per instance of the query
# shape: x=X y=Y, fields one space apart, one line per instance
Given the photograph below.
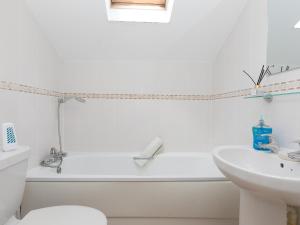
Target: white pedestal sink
x=268 y=184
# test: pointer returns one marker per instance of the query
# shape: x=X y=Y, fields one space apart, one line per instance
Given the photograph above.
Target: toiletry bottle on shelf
x=260 y=132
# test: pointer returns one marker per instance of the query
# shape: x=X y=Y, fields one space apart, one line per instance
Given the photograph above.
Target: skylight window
x=155 y=11
x=158 y=3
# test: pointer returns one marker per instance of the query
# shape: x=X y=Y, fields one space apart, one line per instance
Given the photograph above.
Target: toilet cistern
x=13 y=167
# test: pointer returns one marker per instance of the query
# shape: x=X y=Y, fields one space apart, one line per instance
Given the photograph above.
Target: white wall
x=245 y=49
x=128 y=125
x=27 y=58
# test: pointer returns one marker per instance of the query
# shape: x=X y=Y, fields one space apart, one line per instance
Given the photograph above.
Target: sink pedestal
x=268 y=184
x=258 y=210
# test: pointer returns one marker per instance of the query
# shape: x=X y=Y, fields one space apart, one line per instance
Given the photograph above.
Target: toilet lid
x=65 y=215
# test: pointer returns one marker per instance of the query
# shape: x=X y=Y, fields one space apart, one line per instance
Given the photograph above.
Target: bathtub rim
x=41 y=174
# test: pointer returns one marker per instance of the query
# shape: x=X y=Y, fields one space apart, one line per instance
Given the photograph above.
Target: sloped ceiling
x=79 y=30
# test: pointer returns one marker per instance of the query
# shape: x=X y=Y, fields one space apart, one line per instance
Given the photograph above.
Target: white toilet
x=13 y=166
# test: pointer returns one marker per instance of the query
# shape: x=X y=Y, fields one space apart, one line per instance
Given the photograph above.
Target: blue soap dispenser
x=260 y=135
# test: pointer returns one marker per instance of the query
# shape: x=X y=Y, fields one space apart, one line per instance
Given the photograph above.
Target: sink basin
x=260 y=172
x=264 y=180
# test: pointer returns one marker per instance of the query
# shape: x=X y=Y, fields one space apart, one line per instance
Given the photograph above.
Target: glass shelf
x=269 y=96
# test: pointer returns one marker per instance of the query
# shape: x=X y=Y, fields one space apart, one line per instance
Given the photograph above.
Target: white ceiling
x=79 y=30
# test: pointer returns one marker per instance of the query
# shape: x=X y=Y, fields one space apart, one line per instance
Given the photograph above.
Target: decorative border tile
x=232 y=94
x=141 y=96
x=11 y=86
x=287 y=86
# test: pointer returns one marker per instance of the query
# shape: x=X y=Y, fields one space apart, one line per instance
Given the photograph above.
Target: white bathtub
x=174 y=188
x=121 y=167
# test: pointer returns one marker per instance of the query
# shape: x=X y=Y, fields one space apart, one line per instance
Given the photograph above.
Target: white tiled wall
x=128 y=125
x=26 y=57
x=245 y=49
x=144 y=76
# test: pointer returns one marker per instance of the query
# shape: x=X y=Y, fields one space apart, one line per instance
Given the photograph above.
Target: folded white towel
x=153 y=148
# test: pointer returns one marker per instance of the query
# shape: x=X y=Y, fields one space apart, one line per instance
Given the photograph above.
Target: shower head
x=65 y=99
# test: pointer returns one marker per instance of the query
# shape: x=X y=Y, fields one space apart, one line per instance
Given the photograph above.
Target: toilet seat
x=64 y=215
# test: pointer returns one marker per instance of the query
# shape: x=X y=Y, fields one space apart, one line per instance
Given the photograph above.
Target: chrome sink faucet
x=273 y=144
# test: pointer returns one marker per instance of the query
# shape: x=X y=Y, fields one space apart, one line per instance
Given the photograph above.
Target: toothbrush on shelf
x=249 y=77
x=262 y=75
